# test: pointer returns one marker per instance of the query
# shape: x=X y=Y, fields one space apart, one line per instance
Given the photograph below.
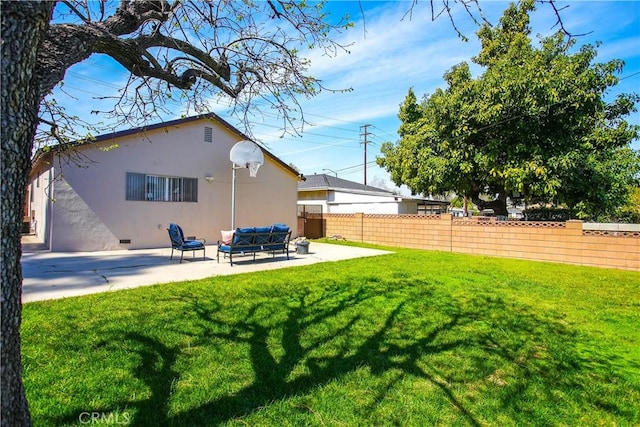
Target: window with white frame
x=160 y=188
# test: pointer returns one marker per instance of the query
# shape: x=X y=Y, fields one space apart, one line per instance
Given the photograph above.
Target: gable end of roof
x=43 y=153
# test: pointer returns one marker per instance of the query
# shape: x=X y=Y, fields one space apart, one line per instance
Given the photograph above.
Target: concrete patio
x=52 y=275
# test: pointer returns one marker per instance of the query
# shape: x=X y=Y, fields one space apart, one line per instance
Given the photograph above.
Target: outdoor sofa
x=251 y=240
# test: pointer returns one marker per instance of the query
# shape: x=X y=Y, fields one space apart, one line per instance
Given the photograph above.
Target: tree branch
x=131 y=15
x=559 y=23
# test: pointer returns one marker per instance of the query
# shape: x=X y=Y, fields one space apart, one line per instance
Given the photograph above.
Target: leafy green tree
x=610 y=177
x=534 y=126
x=631 y=211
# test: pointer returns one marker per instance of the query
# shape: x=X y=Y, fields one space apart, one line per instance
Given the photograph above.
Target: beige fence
x=567 y=242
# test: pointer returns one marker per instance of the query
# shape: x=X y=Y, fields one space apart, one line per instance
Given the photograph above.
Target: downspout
x=48 y=210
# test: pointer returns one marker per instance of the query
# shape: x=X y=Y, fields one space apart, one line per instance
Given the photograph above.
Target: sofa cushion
x=227 y=249
x=263 y=239
x=244 y=236
x=279 y=228
x=279 y=234
x=192 y=244
x=176 y=235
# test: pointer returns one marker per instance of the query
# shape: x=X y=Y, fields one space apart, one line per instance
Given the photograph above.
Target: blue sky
x=389 y=53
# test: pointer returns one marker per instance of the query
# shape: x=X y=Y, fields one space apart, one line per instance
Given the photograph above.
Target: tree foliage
x=631 y=211
x=534 y=126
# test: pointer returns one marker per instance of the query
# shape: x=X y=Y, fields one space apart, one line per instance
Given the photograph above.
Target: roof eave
x=133 y=131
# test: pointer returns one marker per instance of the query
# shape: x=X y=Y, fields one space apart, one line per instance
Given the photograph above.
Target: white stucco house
x=335 y=195
x=122 y=190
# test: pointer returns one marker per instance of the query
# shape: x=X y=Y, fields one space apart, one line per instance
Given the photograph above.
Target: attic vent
x=125 y=241
x=208 y=134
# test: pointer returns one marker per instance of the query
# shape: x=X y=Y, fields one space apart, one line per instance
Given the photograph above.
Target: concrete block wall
x=545 y=241
x=344 y=225
x=417 y=231
x=615 y=250
x=542 y=241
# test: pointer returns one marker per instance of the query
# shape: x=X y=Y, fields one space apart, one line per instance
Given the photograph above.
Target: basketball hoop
x=244 y=154
x=253 y=168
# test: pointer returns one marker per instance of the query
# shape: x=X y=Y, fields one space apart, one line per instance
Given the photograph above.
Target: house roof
x=43 y=152
x=328 y=182
x=317 y=182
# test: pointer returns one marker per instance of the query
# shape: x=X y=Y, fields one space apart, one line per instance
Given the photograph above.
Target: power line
x=111 y=85
x=385 y=132
x=358 y=166
x=630 y=75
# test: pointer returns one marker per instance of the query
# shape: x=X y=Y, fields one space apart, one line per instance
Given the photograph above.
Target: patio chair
x=178 y=242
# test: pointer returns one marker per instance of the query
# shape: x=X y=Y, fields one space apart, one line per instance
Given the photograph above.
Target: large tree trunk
x=23 y=28
x=499 y=205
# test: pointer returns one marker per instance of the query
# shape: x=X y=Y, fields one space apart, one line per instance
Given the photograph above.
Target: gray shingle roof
x=328 y=182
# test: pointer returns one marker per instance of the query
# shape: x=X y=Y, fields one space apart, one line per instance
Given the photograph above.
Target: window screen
x=159 y=188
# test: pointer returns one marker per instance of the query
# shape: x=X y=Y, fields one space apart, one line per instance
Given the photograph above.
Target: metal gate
x=310 y=221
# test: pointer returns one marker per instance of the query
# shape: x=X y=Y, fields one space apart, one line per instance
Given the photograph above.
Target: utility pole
x=365 y=133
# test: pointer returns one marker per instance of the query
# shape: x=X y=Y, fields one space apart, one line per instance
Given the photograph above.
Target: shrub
x=549 y=214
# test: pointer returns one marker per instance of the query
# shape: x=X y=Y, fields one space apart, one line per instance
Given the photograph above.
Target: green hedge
x=549 y=214
x=565 y=214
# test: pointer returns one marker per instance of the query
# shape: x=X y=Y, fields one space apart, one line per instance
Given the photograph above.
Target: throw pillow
x=227 y=236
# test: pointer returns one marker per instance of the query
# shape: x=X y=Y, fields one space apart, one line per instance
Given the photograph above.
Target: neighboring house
x=335 y=195
x=131 y=185
x=514 y=212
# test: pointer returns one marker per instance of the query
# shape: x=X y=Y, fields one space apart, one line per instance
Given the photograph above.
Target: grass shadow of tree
x=301 y=341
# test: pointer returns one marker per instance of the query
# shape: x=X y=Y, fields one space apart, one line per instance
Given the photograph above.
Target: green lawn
x=415 y=338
